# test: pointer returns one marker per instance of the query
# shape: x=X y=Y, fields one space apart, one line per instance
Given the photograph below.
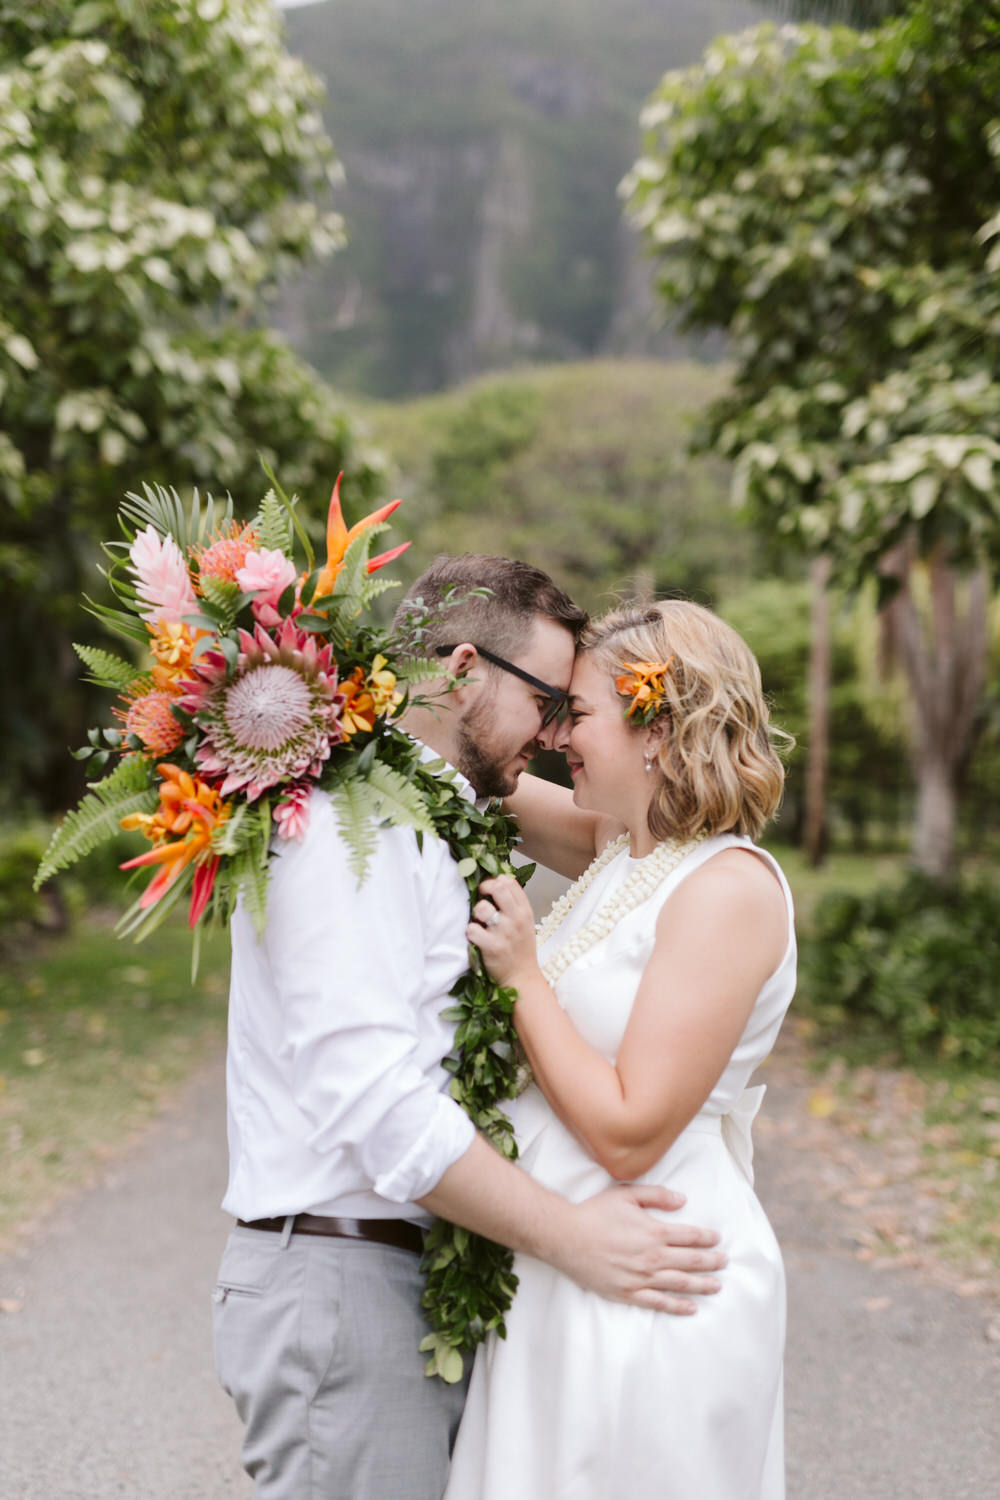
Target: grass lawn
x=94 y=1033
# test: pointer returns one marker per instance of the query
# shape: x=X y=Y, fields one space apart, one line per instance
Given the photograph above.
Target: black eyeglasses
x=557 y=696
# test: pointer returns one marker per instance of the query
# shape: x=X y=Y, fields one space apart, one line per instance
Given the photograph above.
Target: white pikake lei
x=640 y=885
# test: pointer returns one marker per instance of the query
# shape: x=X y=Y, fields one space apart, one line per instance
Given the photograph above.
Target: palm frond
x=118 y=621
x=164 y=510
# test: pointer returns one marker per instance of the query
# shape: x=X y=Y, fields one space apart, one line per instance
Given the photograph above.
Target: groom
x=343 y=1138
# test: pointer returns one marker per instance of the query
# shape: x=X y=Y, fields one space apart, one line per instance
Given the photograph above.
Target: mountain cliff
x=483 y=141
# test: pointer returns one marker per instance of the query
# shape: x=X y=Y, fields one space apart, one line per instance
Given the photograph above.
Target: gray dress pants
x=316 y=1341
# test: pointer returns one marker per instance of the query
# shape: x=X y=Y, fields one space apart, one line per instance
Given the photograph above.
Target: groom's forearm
x=489 y=1195
x=610 y=1243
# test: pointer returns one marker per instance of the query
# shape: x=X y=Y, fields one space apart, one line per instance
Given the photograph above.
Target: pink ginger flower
x=162 y=577
x=267 y=574
x=291 y=815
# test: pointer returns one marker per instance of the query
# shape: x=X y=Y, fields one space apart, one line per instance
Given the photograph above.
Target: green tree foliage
x=162 y=163
x=830 y=198
x=581 y=469
x=870 y=787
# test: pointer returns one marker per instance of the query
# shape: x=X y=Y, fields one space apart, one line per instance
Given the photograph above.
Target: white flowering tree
x=162 y=163
x=831 y=199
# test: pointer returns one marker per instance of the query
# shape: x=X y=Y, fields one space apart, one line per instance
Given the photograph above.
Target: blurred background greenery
x=392 y=236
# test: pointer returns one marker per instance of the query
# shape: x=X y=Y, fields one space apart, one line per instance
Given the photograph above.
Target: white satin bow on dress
x=737 y=1128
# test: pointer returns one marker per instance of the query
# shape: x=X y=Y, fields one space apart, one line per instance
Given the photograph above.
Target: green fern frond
x=273 y=524
x=372 y=588
x=107 y=670
x=249 y=876
x=223 y=595
x=291 y=506
x=356 y=805
x=129 y=789
x=354 y=569
x=236 y=834
x=419 y=668
x=399 y=800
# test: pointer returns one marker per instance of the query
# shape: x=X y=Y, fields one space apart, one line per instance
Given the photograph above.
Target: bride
x=656 y=987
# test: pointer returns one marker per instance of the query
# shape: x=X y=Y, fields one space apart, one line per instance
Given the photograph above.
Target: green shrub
x=97 y=881
x=20 y=853
x=916 y=965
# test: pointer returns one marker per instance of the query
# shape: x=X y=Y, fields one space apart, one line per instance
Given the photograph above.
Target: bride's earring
x=649 y=761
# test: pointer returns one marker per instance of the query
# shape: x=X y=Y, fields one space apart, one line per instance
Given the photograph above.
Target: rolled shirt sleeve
x=362 y=1039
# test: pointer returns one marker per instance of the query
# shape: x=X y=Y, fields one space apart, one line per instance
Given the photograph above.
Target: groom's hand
x=626 y=1254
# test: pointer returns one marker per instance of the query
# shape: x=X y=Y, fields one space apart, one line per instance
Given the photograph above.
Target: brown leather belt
x=398 y=1232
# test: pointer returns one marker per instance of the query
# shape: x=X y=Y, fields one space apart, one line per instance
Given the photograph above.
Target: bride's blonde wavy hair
x=718 y=762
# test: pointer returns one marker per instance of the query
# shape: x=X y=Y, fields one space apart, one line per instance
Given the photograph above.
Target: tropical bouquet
x=264 y=678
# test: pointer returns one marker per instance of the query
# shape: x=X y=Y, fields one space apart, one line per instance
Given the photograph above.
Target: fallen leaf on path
x=821 y=1104
x=9 y=1305
x=877 y=1304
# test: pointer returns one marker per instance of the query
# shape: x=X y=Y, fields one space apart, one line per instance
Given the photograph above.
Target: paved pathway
x=107 y=1386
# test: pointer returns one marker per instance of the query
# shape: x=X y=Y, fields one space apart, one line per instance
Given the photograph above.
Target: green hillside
x=483 y=146
x=580 y=468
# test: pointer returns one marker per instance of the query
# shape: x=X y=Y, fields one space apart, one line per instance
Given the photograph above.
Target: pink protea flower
x=162 y=577
x=291 y=815
x=267 y=574
x=272 y=718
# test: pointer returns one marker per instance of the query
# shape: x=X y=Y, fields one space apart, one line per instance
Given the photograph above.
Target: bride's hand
x=503 y=929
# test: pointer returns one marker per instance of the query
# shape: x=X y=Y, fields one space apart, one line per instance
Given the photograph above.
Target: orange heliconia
x=339 y=538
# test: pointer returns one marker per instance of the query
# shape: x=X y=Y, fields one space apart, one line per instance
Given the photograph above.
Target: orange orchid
x=339 y=538
x=642 y=682
x=172 y=645
x=367 y=695
x=181 y=830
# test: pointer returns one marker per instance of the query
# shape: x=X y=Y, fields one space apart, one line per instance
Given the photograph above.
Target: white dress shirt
x=337 y=1100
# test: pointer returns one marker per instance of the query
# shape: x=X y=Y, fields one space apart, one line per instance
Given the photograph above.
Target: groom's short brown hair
x=490 y=601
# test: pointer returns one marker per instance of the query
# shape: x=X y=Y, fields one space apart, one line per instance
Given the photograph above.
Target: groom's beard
x=480 y=758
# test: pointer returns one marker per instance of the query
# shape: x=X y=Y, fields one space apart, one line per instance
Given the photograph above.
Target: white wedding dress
x=594 y=1400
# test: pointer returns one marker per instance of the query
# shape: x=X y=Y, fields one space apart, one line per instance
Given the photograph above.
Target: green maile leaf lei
x=470 y=1281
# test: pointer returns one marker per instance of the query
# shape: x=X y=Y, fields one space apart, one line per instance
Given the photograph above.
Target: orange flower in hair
x=642 y=684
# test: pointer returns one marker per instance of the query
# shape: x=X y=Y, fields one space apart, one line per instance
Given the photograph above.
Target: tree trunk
x=934 y=829
x=819 y=713
x=943 y=650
